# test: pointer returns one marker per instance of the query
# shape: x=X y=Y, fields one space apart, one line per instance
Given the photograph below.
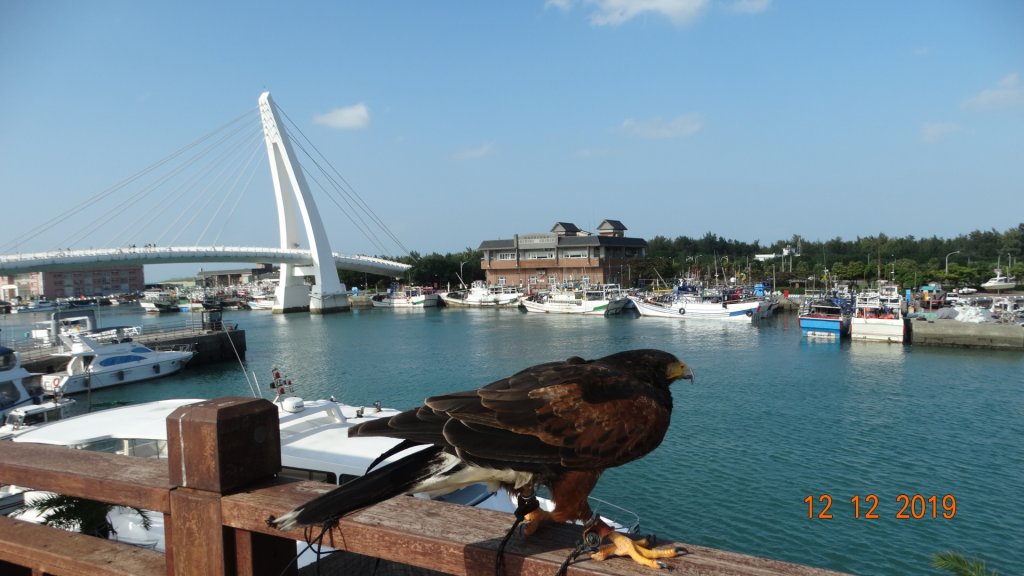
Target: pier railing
x=218 y=486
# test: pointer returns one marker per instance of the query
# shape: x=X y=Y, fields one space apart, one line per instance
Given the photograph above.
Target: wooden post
x=214 y=448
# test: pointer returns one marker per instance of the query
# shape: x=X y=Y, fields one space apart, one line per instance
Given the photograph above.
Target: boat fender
x=682 y=310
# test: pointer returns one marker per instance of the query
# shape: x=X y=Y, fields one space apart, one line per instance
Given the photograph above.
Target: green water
x=770 y=420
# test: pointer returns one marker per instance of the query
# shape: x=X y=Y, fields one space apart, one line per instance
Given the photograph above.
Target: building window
x=501 y=280
x=539 y=255
x=553 y=280
x=533 y=280
x=576 y=254
x=586 y=279
x=506 y=255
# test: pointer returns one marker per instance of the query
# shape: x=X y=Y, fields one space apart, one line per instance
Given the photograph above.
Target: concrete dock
x=222 y=343
x=951 y=333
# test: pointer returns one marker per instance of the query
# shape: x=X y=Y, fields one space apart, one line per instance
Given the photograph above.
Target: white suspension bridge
x=297 y=213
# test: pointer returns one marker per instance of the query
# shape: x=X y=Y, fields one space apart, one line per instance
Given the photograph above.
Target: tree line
x=966 y=260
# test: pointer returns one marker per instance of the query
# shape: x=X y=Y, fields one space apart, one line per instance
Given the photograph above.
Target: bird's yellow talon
x=621 y=545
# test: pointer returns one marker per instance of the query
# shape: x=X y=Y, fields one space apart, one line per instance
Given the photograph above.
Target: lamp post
x=947 y=260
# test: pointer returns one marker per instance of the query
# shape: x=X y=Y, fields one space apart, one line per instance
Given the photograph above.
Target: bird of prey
x=559 y=424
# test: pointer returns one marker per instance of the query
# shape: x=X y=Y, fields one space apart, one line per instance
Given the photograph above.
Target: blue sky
x=459 y=122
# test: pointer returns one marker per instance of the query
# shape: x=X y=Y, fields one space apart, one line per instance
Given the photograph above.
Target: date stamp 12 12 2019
x=907 y=507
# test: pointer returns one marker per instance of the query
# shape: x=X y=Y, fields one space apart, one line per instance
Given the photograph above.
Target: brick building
x=566 y=254
x=74 y=283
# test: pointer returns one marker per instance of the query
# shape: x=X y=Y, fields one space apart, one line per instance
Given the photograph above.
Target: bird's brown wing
x=574 y=415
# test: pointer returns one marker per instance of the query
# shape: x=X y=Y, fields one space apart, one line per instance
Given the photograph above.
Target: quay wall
x=210 y=346
x=951 y=333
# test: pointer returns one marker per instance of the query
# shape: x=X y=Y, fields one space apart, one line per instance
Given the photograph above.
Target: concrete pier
x=211 y=345
x=951 y=333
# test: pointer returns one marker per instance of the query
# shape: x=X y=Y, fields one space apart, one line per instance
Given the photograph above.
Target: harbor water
x=773 y=430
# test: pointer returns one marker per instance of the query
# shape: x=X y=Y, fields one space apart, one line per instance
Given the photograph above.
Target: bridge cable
x=347 y=189
x=12 y=245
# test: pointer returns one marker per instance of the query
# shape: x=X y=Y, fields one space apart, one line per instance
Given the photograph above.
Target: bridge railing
x=217 y=488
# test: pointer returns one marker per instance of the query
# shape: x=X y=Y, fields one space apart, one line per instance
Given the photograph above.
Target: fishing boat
x=827 y=318
x=702 y=304
x=480 y=295
x=407 y=297
x=109 y=358
x=878 y=315
x=261 y=303
x=158 y=301
x=604 y=300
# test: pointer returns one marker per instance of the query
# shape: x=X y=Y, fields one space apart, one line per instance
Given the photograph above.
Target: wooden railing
x=218 y=486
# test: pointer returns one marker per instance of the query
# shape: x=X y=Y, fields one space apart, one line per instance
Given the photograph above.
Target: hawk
x=558 y=424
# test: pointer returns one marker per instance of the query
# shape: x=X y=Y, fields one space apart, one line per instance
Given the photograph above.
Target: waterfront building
x=566 y=254
x=73 y=283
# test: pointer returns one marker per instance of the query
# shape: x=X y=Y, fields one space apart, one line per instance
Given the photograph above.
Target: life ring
x=682 y=310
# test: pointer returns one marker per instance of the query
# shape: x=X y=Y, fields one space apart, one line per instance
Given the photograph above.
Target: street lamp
x=947 y=260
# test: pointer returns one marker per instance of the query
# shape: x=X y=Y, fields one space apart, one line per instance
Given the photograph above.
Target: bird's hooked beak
x=679 y=371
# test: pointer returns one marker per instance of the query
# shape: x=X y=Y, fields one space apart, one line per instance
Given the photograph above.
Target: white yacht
x=20 y=394
x=95 y=363
x=1000 y=282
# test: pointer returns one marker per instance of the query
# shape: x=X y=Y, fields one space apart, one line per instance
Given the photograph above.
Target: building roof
x=611 y=225
x=510 y=244
x=565 y=228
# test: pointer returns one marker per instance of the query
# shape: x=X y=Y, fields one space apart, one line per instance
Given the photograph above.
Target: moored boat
x=707 y=304
x=108 y=358
x=41 y=305
x=1000 y=282
x=480 y=295
x=20 y=392
x=408 y=297
x=825 y=318
x=156 y=301
x=587 y=300
x=878 y=315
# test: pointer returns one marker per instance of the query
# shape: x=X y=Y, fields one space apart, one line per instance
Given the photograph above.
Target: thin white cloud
x=1008 y=92
x=751 y=6
x=932 y=132
x=563 y=5
x=658 y=128
x=615 y=12
x=349 y=118
x=473 y=153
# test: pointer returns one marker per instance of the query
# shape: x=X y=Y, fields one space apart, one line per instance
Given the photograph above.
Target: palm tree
x=958 y=565
x=73 y=513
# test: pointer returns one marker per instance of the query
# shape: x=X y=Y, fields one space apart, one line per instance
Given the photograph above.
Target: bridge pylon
x=294 y=200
